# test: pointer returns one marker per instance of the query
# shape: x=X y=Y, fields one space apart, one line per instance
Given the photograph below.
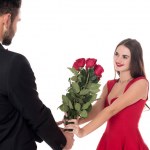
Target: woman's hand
x=60 y=122
x=73 y=124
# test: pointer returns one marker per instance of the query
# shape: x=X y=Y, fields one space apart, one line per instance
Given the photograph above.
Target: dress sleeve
x=24 y=97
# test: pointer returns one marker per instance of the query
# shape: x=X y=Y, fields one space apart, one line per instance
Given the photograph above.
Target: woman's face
x=122 y=59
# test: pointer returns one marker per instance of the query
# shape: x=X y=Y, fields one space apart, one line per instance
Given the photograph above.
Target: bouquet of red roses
x=83 y=89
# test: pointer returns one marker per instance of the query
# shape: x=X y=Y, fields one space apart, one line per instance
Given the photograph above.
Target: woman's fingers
x=74 y=127
x=60 y=122
x=74 y=121
x=71 y=126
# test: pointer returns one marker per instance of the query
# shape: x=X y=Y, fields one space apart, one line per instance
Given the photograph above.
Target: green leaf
x=94 y=91
x=93 y=86
x=93 y=78
x=70 y=95
x=74 y=78
x=64 y=108
x=75 y=87
x=80 y=101
x=72 y=114
x=77 y=106
x=83 y=73
x=86 y=105
x=91 y=71
x=73 y=70
x=89 y=108
x=80 y=78
x=65 y=100
x=70 y=90
x=70 y=105
x=93 y=98
x=87 y=98
x=84 y=91
x=84 y=114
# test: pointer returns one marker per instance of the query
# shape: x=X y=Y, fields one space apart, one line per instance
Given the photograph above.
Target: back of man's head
x=10 y=6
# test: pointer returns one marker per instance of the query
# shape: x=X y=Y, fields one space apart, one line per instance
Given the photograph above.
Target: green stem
x=87 y=80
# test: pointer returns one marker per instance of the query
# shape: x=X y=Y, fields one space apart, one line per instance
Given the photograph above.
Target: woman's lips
x=119 y=65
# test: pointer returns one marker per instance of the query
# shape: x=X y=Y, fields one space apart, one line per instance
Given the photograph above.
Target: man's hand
x=69 y=136
x=70 y=140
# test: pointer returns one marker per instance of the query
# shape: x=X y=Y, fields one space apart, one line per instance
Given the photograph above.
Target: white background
x=53 y=34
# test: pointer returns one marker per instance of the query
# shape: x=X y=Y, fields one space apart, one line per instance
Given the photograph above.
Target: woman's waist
x=122 y=125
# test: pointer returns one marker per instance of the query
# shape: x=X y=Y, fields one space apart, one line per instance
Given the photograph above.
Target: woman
x=121 y=102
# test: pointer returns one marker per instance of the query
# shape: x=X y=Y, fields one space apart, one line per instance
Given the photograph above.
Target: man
x=24 y=119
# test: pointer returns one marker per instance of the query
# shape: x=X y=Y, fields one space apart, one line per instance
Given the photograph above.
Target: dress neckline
x=126 y=87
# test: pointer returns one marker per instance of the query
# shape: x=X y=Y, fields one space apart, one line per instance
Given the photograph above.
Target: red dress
x=122 y=131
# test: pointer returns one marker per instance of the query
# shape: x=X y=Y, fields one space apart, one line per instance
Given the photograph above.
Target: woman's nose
x=118 y=59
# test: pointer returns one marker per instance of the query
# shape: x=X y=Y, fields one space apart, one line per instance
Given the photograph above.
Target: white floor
x=90 y=142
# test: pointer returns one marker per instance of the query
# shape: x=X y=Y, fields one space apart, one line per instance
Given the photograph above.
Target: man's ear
x=7 y=20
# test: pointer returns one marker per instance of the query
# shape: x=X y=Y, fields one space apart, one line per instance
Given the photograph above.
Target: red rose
x=98 y=70
x=79 y=63
x=90 y=62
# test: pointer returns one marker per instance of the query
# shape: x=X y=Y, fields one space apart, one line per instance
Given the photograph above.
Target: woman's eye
x=125 y=57
x=115 y=54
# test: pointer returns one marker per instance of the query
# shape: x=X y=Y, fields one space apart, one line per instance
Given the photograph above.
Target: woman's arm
x=97 y=107
x=135 y=92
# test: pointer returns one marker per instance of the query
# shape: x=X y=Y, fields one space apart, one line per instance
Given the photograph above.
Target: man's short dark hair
x=10 y=6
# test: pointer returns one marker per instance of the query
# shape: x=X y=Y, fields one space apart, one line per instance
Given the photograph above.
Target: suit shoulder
x=17 y=57
x=10 y=55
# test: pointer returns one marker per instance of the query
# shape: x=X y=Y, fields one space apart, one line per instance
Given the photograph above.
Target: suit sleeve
x=23 y=95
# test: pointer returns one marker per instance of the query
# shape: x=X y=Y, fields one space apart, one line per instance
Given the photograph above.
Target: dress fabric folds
x=122 y=131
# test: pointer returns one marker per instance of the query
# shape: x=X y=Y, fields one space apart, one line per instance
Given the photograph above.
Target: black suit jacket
x=24 y=119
